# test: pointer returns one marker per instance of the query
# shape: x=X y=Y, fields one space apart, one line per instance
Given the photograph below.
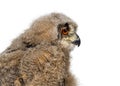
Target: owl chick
x=40 y=55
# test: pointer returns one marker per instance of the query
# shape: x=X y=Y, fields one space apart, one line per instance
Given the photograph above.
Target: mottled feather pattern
x=37 y=57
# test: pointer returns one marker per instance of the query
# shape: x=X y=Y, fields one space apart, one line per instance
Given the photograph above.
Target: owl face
x=67 y=35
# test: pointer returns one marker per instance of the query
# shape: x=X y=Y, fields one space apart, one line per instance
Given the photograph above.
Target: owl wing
x=44 y=66
x=33 y=64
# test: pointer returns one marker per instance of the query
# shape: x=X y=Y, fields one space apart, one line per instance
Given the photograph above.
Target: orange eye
x=64 y=32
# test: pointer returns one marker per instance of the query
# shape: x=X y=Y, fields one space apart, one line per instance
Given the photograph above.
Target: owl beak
x=77 y=41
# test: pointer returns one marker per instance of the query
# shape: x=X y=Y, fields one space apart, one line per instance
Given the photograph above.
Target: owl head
x=67 y=35
x=55 y=27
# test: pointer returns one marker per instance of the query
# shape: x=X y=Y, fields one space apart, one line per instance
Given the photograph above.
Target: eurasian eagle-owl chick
x=40 y=56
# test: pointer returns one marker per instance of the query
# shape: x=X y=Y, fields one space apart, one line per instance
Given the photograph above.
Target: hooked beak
x=77 y=41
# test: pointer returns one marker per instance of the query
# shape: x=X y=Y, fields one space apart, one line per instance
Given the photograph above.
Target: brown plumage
x=40 y=56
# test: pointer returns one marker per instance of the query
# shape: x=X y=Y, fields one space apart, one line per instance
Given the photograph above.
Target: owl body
x=40 y=56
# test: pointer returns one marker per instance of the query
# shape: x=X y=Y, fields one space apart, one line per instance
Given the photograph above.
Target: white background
x=97 y=61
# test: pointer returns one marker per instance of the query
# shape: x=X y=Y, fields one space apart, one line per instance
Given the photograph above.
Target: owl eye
x=64 y=32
